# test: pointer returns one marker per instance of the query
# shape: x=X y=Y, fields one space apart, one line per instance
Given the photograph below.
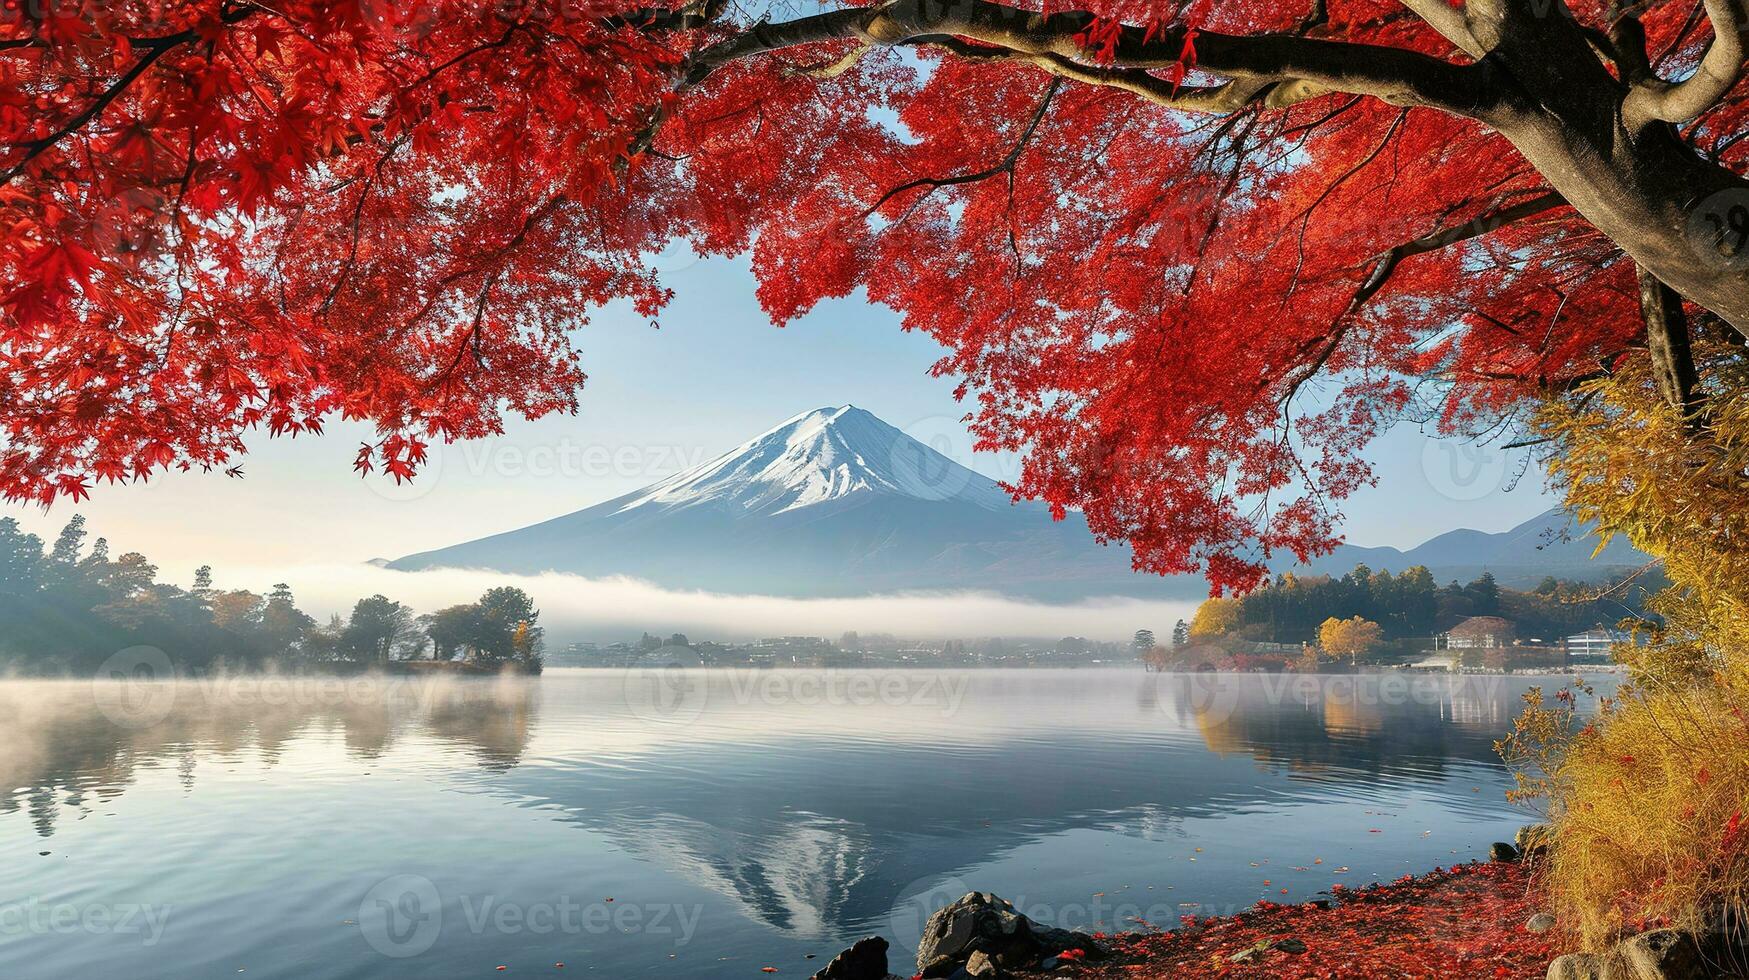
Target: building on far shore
x=1489 y=643
x=1594 y=644
x=1437 y=659
x=1479 y=633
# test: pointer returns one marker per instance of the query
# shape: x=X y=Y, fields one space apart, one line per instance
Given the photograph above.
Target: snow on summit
x=832 y=502
x=819 y=456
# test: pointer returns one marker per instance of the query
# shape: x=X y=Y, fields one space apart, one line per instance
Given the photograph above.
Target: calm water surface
x=700 y=824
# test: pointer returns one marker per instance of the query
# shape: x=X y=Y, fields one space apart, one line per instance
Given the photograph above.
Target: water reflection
x=64 y=751
x=798 y=807
x=820 y=836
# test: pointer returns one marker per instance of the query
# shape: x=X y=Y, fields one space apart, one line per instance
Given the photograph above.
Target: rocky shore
x=978 y=936
x=1476 y=920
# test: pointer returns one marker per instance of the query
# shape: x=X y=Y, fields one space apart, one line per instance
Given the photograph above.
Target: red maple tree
x=1139 y=229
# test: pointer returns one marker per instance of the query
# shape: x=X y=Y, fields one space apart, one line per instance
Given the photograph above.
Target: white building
x=1479 y=633
x=1595 y=642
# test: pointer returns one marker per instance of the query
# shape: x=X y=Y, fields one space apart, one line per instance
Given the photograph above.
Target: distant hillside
x=1548 y=544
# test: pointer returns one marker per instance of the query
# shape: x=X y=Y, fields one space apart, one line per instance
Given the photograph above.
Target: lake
x=702 y=823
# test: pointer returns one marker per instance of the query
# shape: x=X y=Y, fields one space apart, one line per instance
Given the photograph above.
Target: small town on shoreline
x=1371 y=621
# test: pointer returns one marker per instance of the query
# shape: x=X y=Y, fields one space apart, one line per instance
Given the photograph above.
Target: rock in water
x=866 y=959
x=1503 y=853
x=982 y=922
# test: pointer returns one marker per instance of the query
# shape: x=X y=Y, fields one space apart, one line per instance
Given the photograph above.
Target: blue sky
x=716 y=374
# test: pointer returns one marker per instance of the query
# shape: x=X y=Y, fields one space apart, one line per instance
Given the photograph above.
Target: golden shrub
x=1648 y=798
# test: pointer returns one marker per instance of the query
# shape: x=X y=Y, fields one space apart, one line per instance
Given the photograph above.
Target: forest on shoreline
x=1410 y=605
x=70 y=607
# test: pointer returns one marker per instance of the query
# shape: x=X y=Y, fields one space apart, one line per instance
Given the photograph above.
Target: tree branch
x=1006 y=166
x=1720 y=67
x=154 y=48
x=1387 y=263
x=1667 y=339
x=1448 y=21
x=1302 y=66
x=1215 y=99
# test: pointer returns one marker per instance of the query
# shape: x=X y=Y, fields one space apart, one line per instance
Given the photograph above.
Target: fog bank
x=609 y=609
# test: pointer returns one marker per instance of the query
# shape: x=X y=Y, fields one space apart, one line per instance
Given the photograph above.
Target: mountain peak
x=831 y=502
x=827 y=454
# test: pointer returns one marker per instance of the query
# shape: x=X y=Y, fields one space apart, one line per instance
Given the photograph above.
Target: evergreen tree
x=69 y=543
x=453 y=630
x=503 y=611
x=283 y=624
x=21 y=559
x=1485 y=593
x=377 y=628
x=63 y=563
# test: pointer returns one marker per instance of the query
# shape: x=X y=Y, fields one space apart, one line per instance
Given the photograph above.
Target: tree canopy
x=1350 y=637
x=1139 y=229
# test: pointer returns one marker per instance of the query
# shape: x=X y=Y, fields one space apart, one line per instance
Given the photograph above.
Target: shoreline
x=1467 y=920
x=1472 y=920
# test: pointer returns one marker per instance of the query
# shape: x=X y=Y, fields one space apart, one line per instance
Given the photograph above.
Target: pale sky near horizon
x=716 y=374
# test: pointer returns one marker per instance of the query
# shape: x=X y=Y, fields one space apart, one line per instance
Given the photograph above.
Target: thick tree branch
x=1719 y=70
x=1219 y=99
x=1301 y=66
x=1448 y=21
x=1667 y=338
x=1627 y=40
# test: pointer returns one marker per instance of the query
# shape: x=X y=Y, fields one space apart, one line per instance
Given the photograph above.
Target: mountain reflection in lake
x=701 y=824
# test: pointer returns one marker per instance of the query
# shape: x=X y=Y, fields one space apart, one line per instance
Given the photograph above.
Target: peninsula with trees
x=67 y=608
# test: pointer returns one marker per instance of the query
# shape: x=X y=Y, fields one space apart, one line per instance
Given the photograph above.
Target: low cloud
x=607 y=609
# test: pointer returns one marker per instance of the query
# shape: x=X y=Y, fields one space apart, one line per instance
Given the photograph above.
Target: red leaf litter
x=1465 y=921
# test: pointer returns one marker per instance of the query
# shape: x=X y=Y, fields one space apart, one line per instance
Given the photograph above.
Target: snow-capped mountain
x=836 y=502
x=832 y=502
x=815 y=458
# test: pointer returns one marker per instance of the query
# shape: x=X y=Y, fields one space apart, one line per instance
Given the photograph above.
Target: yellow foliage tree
x=1215 y=617
x=1648 y=797
x=1679 y=490
x=1349 y=637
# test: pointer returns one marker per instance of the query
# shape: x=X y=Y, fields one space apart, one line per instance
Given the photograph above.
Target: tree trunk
x=1683 y=219
x=1667 y=337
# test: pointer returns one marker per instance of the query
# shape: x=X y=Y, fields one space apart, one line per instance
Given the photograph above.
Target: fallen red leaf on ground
x=1465 y=921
